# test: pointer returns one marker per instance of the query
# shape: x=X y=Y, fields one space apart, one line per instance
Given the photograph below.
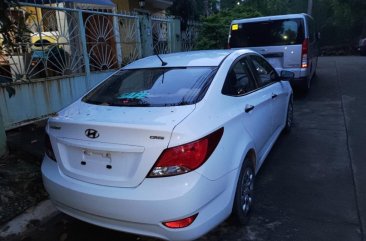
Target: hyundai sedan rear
x=168 y=147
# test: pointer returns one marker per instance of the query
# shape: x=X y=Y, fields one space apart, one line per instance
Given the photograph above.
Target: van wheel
x=306 y=85
x=244 y=195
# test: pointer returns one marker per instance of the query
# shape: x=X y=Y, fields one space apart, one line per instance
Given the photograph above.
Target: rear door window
x=153 y=87
x=263 y=71
x=267 y=33
x=238 y=81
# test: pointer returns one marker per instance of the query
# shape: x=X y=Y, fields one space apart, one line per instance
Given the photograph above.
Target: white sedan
x=169 y=145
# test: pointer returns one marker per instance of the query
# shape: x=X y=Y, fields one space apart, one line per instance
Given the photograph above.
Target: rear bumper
x=301 y=76
x=299 y=82
x=300 y=73
x=142 y=209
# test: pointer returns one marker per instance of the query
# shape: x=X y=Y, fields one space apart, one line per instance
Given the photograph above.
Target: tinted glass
x=238 y=80
x=268 y=33
x=263 y=70
x=153 y=87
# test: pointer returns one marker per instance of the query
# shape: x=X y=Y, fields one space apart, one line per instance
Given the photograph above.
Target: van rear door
x=280 y=41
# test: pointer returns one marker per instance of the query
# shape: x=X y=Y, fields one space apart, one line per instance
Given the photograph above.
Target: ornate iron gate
x=70 y=48
x=70 y=41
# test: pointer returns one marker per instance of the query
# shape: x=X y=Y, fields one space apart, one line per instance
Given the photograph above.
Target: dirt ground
x=20 y=185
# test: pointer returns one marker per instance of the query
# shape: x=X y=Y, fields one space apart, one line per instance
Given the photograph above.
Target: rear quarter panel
x=211 y=113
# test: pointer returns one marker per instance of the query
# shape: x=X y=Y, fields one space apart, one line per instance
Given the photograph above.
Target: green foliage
x=215 y=28
x=341 y=22
x=192 y=9
x=228 y=4
x=13 y=29
x=186 y=9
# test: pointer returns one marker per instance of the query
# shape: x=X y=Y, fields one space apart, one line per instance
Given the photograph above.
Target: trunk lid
x=112 y=146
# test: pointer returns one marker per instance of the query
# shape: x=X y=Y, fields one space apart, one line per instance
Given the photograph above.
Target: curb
x=25 y=221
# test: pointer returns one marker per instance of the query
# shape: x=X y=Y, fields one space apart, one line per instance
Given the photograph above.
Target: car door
x=267 y=77
x=256 y=116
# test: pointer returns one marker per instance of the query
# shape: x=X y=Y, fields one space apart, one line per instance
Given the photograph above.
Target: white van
x=289 y=42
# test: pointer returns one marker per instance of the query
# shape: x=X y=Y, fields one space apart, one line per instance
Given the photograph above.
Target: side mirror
x=287 y=75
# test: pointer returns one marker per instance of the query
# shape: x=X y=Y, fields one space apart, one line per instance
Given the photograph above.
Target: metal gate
x=70 y=48
x=66 y=40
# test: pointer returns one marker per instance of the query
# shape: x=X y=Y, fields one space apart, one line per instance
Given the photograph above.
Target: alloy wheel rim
x=247 y=190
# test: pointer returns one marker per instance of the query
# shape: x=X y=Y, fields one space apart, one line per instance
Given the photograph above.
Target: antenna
x=163 y=63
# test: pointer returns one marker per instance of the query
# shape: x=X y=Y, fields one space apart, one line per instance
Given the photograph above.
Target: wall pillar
x=3 y=147
x=175 y=36
x=146 y=35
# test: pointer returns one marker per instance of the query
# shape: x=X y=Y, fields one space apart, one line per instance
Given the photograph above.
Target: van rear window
x=267 y=33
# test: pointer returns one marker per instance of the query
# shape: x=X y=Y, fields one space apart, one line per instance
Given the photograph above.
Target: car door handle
x=274 y=96
x=249 y=108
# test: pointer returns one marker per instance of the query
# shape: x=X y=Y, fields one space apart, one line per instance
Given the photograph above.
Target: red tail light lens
x=304 y=53
x=185 y=158
x=48 y=147
x=182 y=223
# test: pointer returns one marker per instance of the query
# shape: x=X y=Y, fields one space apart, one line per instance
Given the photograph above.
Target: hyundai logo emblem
x=91 y=133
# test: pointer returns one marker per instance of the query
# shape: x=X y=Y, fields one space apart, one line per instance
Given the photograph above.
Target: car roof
x=269 y=18
x=185 y=59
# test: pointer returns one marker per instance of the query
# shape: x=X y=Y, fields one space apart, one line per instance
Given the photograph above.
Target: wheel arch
x=252 y=158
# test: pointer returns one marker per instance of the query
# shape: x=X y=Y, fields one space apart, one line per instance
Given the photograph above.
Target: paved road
x=312 y=186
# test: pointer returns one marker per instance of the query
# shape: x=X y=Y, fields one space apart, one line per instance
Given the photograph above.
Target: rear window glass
x=153 y=87
x=267 y=33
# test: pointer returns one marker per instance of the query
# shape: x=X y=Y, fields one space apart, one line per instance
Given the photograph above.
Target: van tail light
x=304 y=53
x=182 y=223
x=185 y=158
x=48 y=147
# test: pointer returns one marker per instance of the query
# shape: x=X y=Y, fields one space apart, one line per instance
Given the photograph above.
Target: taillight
x=185 y=158
x=182 y=223
x=304 y=53
x=48 y=147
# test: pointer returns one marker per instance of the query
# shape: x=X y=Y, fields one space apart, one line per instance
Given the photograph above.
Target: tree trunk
x=310 y=7
x=205 y=3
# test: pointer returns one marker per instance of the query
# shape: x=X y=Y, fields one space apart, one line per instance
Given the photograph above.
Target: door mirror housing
x=287 y=75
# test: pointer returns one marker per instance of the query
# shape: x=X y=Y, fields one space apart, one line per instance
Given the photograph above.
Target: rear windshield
x=153 y=87
x=267 y=33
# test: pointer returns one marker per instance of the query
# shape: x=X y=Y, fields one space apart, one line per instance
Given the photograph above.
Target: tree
x=12 y=28
x=192 y=10
x=214 y=30
x=186 y=10
x=228 y=4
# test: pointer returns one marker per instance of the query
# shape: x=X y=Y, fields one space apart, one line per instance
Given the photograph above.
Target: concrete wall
x=2 y=138
x=35 y=100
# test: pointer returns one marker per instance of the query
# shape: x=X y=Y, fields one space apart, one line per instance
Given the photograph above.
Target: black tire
x=244 y=194
x=289 y=116
x=305 y=85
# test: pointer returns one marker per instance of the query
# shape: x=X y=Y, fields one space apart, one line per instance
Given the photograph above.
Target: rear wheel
x=289 y=116
x=305 y=85
x=244 y=195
